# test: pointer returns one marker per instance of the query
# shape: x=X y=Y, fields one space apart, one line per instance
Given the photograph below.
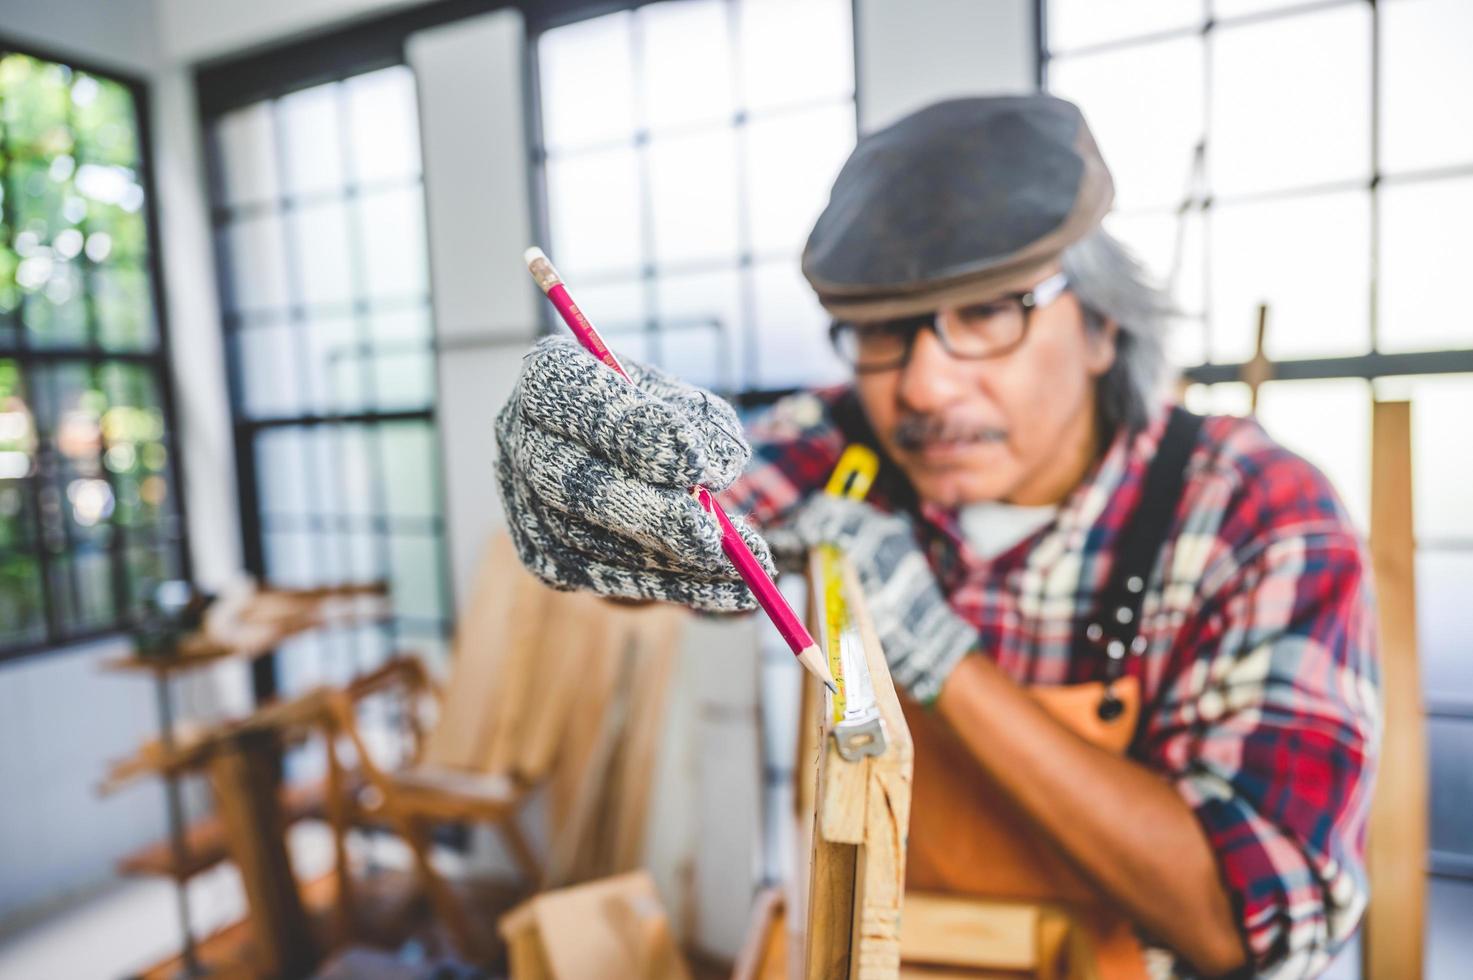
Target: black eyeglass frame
x=1036 y=298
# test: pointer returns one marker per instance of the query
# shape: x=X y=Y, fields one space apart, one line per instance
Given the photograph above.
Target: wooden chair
x=548 y=689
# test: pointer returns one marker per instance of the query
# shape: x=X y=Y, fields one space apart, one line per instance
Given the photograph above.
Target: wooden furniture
x=611 y=929
x=1396 y=843
x=246 y=625
x=548 y=689
x=915 y=868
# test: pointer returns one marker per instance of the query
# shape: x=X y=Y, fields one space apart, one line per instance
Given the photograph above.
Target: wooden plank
x=946 y=930
x=500 y=615
x=657 y=632
x=857 y=873
x=764 y=954
x=881 y=878
x=611 y=929
x=1396 y=848
x=572 y=619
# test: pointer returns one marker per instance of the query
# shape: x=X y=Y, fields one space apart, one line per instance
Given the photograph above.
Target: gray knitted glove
x=923 y=638
x=595 y=471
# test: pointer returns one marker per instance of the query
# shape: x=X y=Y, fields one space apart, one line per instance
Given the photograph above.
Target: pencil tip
x=812 y=659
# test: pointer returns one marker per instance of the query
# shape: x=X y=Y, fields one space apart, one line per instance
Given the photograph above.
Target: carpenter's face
x=1005 y=428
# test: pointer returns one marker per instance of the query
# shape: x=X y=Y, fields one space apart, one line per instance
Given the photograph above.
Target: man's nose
x=930 y=379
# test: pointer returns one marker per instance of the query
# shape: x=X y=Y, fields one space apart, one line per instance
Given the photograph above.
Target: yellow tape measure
x=852 y=477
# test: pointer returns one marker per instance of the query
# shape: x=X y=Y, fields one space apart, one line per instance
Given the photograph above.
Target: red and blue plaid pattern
x=1259 y=677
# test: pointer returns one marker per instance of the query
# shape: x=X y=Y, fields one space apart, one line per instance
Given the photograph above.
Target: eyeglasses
x=971 y=333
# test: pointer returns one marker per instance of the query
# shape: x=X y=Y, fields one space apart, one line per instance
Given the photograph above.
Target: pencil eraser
x=533 y=254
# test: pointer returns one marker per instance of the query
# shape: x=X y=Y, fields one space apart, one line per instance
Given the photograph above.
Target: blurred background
x=261 y=295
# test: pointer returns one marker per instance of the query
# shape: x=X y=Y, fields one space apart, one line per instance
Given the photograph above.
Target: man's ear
x=1102 y=342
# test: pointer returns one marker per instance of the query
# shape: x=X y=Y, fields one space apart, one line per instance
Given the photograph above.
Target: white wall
x=118 y=34
x=916 y=52
x=472 y=133
x=195 y=30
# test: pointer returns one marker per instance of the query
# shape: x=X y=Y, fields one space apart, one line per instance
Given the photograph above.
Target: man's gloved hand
x=595 y=471
x=923 y=638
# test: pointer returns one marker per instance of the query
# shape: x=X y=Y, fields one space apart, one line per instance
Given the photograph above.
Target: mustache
x=917 y=431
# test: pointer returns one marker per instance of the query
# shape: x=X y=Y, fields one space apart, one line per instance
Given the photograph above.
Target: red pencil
x=746 y=564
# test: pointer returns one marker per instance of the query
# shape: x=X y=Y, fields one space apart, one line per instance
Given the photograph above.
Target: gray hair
x=1112 y=284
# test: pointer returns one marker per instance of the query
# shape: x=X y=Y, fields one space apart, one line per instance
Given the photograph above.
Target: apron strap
x=1114 y=627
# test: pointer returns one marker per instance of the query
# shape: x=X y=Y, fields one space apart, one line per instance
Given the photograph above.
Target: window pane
x=148 y=567
x=392 y=230
x=1445 y=623
x=247 y=155
x=281 y=471
x=1170 y=247
x=403 y=378
x=1075 y=23
x=617 y=309
x=1144 y=106
x=795 y=51
x=701 y=328
x=1309 y=259
x=357 y=489
x=792 y=160
x=1424 y=249
x=687 y=63
x=1228 y=398
x=1425 y=77
x=1291 y=101
x=1329 y=424
x=313 y=135
x=587 y=75
x=256 y=264
x=34 y=109
x=792 y=331
x=410 y=462
x=693 y=197
x=384 y=125
x=123 y=305
x=55 y=310
x=323 y=250
x=269 y=355
x=104 y=122
x=415 y=576
x=593 y=202
x=83 y=589
x=1451 y=746
x=288 y=559
x=334 y=368
x=1441 y=406
x=22 y=612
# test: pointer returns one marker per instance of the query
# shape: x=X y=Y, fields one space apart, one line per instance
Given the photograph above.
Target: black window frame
x=234 y=83
x=158 y=361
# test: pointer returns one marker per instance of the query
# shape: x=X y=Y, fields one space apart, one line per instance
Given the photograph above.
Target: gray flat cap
x=955 y=203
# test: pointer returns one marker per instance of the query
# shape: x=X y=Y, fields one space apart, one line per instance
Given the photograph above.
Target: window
x=1305 y=156
x=320 y=234
x=89 y=509
x=685 y=151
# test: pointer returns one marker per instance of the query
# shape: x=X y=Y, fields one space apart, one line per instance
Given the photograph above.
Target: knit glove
x=923 y=639
x=595 y=475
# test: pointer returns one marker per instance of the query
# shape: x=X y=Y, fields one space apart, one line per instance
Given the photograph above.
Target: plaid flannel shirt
x=1259 y=678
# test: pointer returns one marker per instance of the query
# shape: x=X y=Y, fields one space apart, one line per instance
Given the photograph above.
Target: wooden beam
x=856 y=880
x=1396 y=852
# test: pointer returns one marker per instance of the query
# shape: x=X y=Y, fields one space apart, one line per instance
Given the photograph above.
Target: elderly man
x=1043 y=518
